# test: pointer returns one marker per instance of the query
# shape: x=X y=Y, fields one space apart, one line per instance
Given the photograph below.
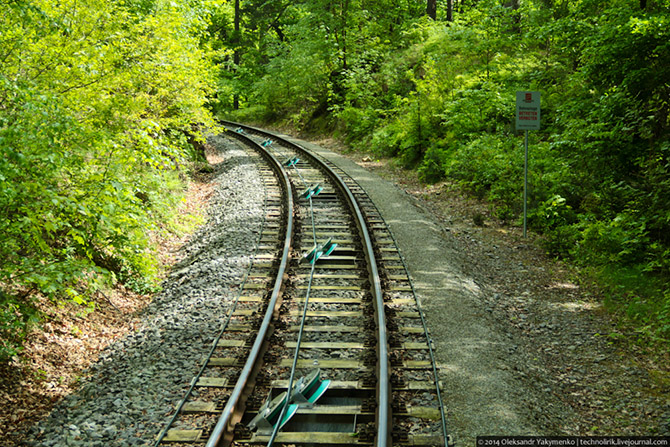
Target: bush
x=99 y=101
x=16 y=318
x=554 y=218
x=623 y=241
x=490 y=167
x=432 y=168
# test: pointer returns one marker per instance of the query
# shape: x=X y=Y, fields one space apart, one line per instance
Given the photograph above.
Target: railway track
x=327 y=311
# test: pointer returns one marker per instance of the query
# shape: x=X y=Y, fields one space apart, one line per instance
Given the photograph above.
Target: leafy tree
x=98 y=102
x=439 y=96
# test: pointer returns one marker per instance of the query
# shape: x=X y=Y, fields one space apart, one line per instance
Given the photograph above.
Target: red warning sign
x=527 y=110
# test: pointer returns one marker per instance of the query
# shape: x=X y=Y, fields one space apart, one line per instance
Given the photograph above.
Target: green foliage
x=16 y=318
x=440 y=98
x=623 y=241
x=642 y=299
x=98 y=100
x=554 y=217
x=488 y=166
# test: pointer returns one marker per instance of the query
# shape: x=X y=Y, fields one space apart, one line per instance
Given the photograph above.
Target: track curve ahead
x=361 y=368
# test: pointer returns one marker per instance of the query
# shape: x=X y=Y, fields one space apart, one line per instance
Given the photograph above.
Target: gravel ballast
x=130 y=392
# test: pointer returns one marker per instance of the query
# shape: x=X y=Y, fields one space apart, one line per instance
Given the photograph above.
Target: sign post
x=527 y=118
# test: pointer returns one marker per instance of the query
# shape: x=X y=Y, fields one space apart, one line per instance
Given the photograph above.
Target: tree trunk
x=345 y=15
x=431 y=9
x=236 y=52
x=515 y=5
x=450 y=10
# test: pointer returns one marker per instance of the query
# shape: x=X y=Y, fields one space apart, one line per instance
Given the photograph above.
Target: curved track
x=339 y=326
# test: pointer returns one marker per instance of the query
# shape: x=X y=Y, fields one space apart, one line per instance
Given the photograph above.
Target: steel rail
x=241 y=386
x=383 y=415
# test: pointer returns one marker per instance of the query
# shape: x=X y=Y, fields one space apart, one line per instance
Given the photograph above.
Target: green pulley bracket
x=309 y=389
x=312 y=191
x=320 y=250
x=268 y=416
x=291 y=162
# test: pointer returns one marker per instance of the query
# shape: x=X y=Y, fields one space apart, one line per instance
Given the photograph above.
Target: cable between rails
x=275 y=431
x=291 y=379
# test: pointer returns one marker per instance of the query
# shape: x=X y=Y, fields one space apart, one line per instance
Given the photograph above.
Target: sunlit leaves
x=96 y=101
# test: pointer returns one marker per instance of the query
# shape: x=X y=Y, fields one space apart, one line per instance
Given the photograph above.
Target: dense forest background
x=433 y=85
x=103 y=105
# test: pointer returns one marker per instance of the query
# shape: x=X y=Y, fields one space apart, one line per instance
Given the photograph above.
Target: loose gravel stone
x=130 y=392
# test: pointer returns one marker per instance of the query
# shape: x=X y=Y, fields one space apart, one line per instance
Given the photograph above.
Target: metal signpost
x=527 y=118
